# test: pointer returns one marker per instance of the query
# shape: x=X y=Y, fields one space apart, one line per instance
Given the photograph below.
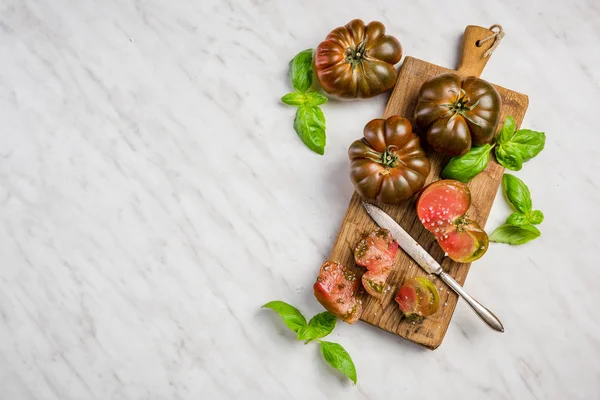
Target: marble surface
x=153 y=196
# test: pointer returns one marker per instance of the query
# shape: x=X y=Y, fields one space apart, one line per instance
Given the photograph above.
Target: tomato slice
x=335 y=289
x=376 y=251
x=418 y=297
x=374 y=281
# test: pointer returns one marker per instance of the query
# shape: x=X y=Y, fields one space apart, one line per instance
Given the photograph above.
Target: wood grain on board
x=384 y=312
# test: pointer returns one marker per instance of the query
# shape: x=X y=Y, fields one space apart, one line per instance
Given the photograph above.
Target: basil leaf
x=310 y=126
x=290 y=315
x=301 y=70
x=319 y=326
x=517 y=219
x=507 y=131
x=517 y=193
x=294 y=99
x=338 y=358
x=511 y=234
x=509 y=156
x=528 y=143
x=465 y=167
x=315 y=99
x=535 y=217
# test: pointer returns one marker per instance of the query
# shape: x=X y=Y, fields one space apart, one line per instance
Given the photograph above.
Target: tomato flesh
x=418 y=297
x=442 y=208
x=335 y=289
x=376 y=252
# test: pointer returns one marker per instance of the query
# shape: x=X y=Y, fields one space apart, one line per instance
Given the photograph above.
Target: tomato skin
x=388 y=165
x=335 y=289
x=418 y=297
x=357 y=60
x=442 y=208
x=456 y=113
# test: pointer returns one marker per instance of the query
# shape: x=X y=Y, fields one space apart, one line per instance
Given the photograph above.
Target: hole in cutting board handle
x=474 y=46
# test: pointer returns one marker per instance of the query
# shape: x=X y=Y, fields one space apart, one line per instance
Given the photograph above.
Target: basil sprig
x=309 y=123
x=512 y=147
x=517 y=146
x=318 y=327
x=519 y=227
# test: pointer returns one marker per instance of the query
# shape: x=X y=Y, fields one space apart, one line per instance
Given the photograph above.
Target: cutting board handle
x=473 y=59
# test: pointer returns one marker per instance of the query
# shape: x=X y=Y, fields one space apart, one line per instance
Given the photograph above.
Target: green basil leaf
x=517 y=193
x=301 y=70
x=290 y=315
x=339 y=359
x=294 y=99
x=464 y=168
x=315 y=99
x=319 y=326
x=507 y=131
x=509 y=156
x=535 y=217
x=511 y=234
x=310 y=126
x=528 y=143
x=517 y=219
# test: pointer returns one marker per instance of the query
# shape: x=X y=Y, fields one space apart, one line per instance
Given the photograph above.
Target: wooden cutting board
x=384 y=313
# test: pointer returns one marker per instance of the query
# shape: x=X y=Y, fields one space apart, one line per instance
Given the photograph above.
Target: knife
x=424 y=259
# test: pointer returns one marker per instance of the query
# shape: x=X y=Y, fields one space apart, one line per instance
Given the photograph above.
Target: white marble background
x=153 y=196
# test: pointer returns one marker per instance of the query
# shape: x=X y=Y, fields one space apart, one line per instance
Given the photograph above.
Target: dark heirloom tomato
x=442 y=208
x=335 y=289
x=388 y=165
x=376 y=252
x=357 y=61
x=457 y=113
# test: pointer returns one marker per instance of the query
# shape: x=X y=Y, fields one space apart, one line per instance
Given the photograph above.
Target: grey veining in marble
x=153 y=196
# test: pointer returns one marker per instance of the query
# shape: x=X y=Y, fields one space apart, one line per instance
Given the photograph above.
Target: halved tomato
x=442 y=208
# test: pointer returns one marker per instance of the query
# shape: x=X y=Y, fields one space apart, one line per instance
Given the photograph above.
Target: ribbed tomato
x=457 y=113
x=388 y=165
x=357 y=61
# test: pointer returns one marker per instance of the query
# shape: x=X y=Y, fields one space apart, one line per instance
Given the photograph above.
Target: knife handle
x=486 y=315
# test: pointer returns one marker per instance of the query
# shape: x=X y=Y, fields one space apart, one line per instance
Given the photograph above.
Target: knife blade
x=428 y=263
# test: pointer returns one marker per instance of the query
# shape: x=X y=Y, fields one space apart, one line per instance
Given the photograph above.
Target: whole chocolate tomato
x=357 y=61
x=388 y=165
x=457 y=113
